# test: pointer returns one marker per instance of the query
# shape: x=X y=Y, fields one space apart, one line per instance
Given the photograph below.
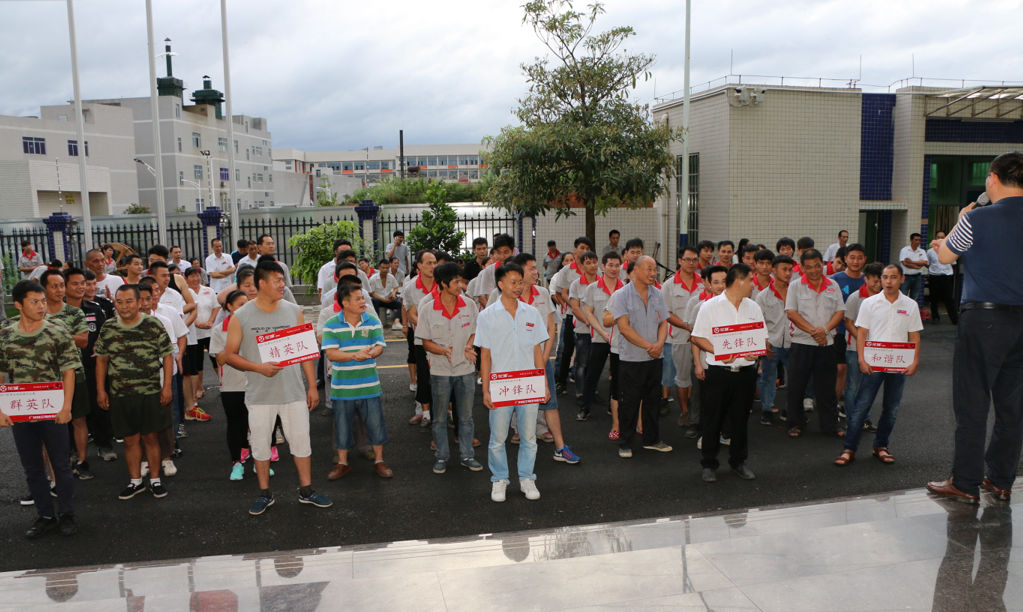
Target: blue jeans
x=870 y=384
x=565 y=349
x=668 y=368
x=852 y=381
x=912 y=285
x=582 y=353
x=461 y=389
x=372 y=413
x=500 y=422
x=553 y=404
x=769 y=376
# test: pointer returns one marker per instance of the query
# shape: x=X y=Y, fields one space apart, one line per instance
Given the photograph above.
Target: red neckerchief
x=600 y=283
x=657 y=284
x=110 y=261
x=533 y=293
x=226 y=319
x=573 y=266
x=583 y=281
x=679 y=281
x=372 y=271
x=831 y=268
x=554 y=254
x=435 y=294
x=337 y=307
x=422 y=287
x=31 y=254
x=797 y=270
x=437 y=305
x=755 y=282
x=705 y=295
x=775 y=291
x=825 y=281
x=864 y=293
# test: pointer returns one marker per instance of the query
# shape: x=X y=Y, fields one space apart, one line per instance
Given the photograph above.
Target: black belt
x=990 y=306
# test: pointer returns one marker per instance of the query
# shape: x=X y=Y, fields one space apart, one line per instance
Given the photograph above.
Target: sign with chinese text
x=516 y=388
x=743 y=341
x=32 y=402
x=288 y=346
x=889 y=356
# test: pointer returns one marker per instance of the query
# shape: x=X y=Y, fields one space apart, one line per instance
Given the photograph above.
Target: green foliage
x=437 y=229
x=316 y=247
x=582 y=140
x=326 y=197
x=413 y=191
x=137 y=209
x=10 y=275
x=180 y=209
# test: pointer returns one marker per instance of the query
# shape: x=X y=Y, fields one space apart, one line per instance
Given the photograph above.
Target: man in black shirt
x=97 y=420
x=90 y=296
x=474 y=267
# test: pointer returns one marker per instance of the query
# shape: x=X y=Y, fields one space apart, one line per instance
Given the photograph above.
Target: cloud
x=341 y=75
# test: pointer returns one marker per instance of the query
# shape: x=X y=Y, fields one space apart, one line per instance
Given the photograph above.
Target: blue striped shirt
x=352 y=380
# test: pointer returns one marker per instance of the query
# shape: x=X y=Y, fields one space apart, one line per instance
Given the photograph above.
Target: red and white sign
x=889 y=356
x=743 y=341
x=517 y=388
x=288 y=346
x=32 y=402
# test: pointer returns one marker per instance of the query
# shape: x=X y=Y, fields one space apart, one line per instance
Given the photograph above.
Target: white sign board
x=288 y=346
x=517 y=388
x=889 y=356
x=743 y=341
x=32 y=402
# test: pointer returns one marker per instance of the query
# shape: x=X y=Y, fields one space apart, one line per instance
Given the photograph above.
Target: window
x=198 y=203
x=177 y=111
x=179 y=145
x=248 y=179
x=360 y=165
x=246 y=126
x=222 y=144
x=431 y=161
x=237 y=175
x=385 y=165
x=198 y=172
x=321 y=165
x=335 y=166
x=225 y=174
x=264 y=142
x=33 y=146
x=259 y=178
x=287 y=165
x=246 y=155
x=694 y=196
x=431 y=173
x=196 y=140
x=270 y=177
x=181 y=177
x=373 y=165
x=463 y=160
x=463 y=176
x=474 y=160
x=72 y=148
x=346 y=166
x=441 y=161
x=474 y=175
x=236 y=147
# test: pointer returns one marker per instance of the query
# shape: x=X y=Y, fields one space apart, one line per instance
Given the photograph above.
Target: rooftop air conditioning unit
x=745 y=96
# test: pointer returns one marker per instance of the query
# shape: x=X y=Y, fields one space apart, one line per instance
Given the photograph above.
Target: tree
x=316 y=247
x=437 y=229
x=137 y=209
x=325 y=196
x=581 y=140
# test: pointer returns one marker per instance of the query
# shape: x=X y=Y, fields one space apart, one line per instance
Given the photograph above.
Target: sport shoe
x=106 y=453
x=725 y=441
x=692 y=432
x=767 y=418
x=497 y=491
x=237 y=472
x=807 y=404
x=260 y=505
x=255 y=472
x=246 y=453
x=145 y=469
x=158 y=490
x=279 y=436
x=528 y=486
x=181 y=431
x=624 y=452
x=132 y=490
x=416 y=419
x=413 y=387
x=315 y=499
x=426 y=425
x=869 y=427
x=41 y=527
x=660 y=447
x=699 y=443
x=708 y=475
x=197 y=414
x=560 y=389
x=472 y=464
x=274 y=455
x=440 y=467
x=167 y=468
x=82 y=471
x=583 y=415
x=565 y=454
x=27 y=500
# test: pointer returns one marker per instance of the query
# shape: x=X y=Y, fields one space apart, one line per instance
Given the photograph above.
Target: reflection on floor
x=903 y=551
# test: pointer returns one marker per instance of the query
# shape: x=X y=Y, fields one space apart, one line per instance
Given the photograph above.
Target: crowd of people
x=130 y=349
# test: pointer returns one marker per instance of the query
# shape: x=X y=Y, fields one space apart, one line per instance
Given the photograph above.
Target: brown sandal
x=795 y=432
x=845 y=458
x=883 y=454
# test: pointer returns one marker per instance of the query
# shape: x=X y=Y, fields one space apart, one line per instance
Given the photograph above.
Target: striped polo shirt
x=353 y=380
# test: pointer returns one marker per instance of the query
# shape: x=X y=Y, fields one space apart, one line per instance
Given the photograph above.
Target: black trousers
x=28 y=438
x=726 y=395
x=237 y=422
x=941 y=289
x=594 y=369
x=640 y=384
x=98 y=420
x=565 y=349
x=987 y=367
x=819 y=361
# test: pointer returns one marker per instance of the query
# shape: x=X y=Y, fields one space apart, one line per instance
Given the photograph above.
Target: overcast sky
x=332 y=74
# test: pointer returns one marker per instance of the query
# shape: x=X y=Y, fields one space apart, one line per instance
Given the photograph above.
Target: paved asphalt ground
x=206 y=514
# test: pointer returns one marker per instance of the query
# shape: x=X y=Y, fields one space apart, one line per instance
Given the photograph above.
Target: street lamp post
x=80 y=127
x=682 y=210
x=232 y=187
x=154 y=106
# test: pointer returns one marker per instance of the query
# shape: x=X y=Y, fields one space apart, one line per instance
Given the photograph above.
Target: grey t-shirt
x=287 y=386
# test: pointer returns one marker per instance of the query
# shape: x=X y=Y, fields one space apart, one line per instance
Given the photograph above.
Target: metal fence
x=479 y=224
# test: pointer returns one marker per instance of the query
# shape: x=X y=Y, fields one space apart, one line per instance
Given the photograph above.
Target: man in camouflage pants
x=132 y=350
x=35 y=350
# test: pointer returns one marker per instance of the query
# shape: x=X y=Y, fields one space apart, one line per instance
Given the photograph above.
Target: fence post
x=210 y=218
x=58 y=226
x=368 y=221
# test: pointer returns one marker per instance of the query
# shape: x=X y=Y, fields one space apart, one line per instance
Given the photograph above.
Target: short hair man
x=504 y=247
x=593 y=299
x=582 y=330
x=815 y=307
x=510 y=335
x=398 y=248
x=551 y=259
x=35 y=350
x=175 y=258
x=843 y=240
x=474 y=266
x=871 y=287
x=706 y=248
x=266 y=246
x=713 y=286
x=219 y=266
x=888 y=316
x=785 y=246
x=779 y=342
x=241 y=249
x=726 y=249
x=914 y=261
x=762 y=269
x=612 y=238
x=383 y=291
x=278 y=390
x=849 y=281
x=106 y=284
x=412 y=296
x=566 y=347
x=134 y=353
x=633 y=251
x=28 y=260
x=729 y=384
x=941 y=278
x=678 y=290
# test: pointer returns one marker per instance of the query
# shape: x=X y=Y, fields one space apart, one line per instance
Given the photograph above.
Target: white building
x=453 y=163
x=39 y=172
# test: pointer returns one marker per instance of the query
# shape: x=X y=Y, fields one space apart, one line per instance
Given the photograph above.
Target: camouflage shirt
x=136 y=354
x=70 y=318
x=37 y=357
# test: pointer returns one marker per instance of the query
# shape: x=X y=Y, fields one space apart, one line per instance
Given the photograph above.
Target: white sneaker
x=145 y=469
x=807 y=404
x=699 y=443
x=497 y=493
x=279 y=436
x=528 y=487
x=419 y=408
x=413 y=387
x=725 y=441
x=168 y=468
x=479 y=380
x=624 y=452
x=396 y=325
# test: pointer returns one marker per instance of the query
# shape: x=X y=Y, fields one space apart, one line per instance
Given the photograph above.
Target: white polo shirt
x=717 y=312
x=817 y=306
x=889 y=321
x=597 y=296
x=108 y=286
x=910 y=254
x=448 y=329
x=325 y=277
x=677 y=295
x=577 y=291
x=219 y=264
x=485 y=282
x=511 y=340
x=383 y=289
